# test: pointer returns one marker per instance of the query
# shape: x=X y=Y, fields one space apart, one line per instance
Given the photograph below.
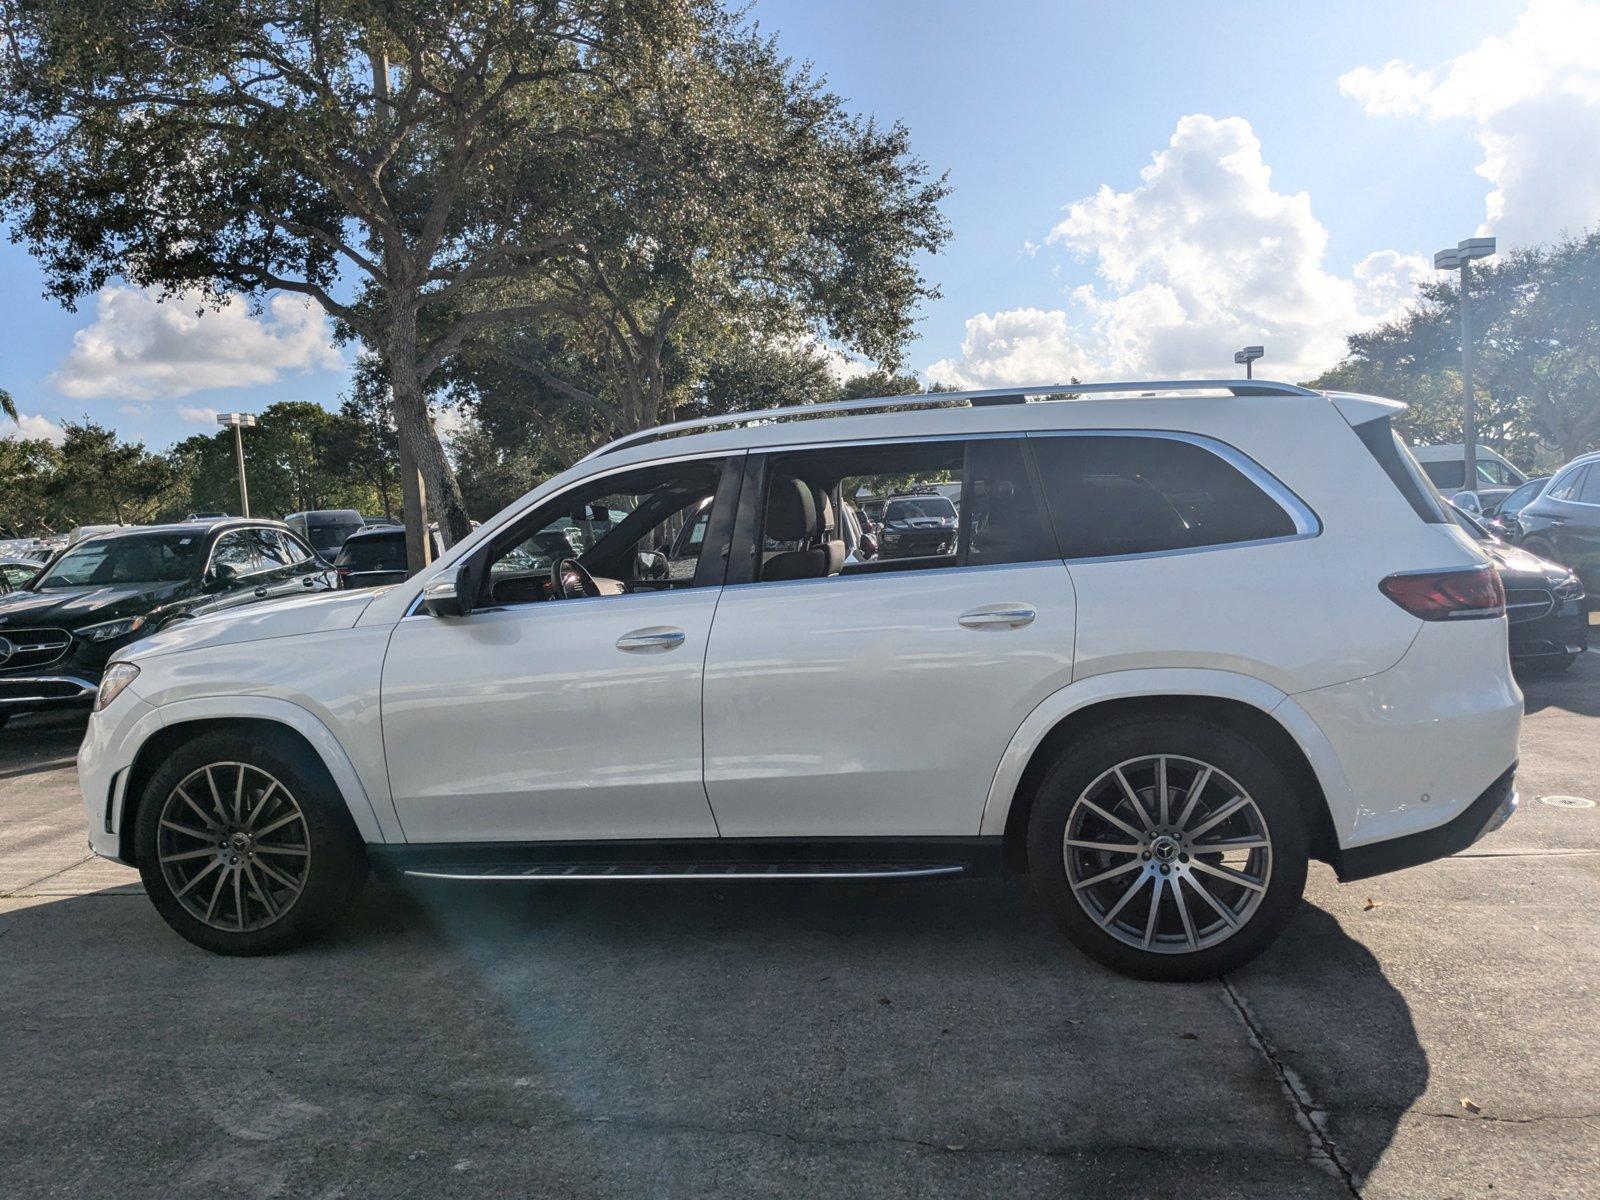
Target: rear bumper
x=1492 y=809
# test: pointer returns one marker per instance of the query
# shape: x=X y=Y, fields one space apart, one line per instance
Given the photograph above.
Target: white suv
x=1188 y=635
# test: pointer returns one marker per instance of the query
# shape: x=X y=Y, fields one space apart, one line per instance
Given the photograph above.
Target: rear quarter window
x=1145 y=494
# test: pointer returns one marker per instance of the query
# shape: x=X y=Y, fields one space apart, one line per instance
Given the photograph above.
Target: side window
x=293 y=552
x=1134 y=494
x=1589 y=490
x=1568 y=486
x=1004 y=519
x=274 y=551
x=939 y=504
x=239 y=551
x=631 y=532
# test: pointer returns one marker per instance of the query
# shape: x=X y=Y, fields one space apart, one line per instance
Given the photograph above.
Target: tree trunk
x=420 y=440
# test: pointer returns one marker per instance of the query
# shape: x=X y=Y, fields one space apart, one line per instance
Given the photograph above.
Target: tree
x=380 y=158
x=100 y=479
x=758 y=211
x=26 y=508
x=8 y=406
x=1536 y=331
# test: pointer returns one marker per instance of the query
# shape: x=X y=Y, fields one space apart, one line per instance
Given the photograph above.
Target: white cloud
x=1533 y=99
x=31 y=428
x=200 y=416
x=141 y=349
x=1202 y=257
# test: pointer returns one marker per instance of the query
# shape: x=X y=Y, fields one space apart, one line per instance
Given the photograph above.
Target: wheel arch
x=273 y=718
x=1255 y=709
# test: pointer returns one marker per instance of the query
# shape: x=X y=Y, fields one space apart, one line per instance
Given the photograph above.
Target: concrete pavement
x=936 y=1039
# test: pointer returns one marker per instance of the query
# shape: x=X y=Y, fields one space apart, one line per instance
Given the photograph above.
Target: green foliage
x=1536 y=334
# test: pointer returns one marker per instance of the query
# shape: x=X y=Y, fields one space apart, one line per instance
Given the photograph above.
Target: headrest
x=791 y=511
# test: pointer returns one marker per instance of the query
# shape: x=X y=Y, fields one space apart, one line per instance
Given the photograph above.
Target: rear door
x=877 y=697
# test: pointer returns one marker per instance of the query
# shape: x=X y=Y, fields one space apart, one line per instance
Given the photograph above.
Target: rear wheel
x=245 y=846
x=1170 y=848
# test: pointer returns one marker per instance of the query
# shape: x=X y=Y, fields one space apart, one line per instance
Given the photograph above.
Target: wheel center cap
x=240 y=841
x=1164 y=849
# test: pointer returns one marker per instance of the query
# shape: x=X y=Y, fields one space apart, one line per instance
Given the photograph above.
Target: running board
x=678 y=872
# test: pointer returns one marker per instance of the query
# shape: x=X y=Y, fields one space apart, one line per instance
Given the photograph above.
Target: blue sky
x=1293 y=200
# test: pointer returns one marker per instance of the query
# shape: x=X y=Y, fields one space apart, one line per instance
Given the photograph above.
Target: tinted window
x=386 y=552
x=1446 y=474
x=1568 y=485
x=240 y=550
x=1589 y=490
x=1523 y=496
x=1139 y=495
x=290 y=549
x=1004 y=521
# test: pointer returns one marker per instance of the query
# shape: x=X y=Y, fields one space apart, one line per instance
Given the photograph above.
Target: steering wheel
x=561 y=589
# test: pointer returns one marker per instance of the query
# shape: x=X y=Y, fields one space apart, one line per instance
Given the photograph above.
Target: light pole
x=1247 y=356
x=1461 y=256
x=239 y=421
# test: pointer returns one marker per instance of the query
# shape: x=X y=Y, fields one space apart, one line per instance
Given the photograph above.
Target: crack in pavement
x=18 y=892
x=1307 y=1113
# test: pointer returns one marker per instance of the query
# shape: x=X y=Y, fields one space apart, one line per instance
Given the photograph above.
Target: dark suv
x=58 y=630
x=1564 y=522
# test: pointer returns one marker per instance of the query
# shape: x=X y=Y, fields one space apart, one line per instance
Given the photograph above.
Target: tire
x=287 y=862
x=1101 y=894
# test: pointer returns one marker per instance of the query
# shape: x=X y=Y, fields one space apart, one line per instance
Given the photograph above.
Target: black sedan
x=58 y=629
x=1546 y=607
x=1501 y=518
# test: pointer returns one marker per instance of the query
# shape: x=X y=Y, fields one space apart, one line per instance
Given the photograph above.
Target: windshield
x=133 y=558
x=922 y=506
x=327 y=537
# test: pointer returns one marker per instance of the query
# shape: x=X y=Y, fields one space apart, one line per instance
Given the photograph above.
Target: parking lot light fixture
x=239 y=421
x=1459 y=258
x=1247 y=356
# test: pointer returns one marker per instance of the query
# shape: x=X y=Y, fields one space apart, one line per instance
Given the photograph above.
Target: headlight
x=107 y=630
x=117 y=677
x=1570 y=588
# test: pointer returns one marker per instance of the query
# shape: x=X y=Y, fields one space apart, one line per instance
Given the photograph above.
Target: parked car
x=16 y=571
x=326 y=529
x=1546 y=606
x=1447 y=467
x=1563 y=522
x=108 y=590
x=206 y=516
x=917 y=524
x=376 y=557
x=1501 y=518
x=1189 y=645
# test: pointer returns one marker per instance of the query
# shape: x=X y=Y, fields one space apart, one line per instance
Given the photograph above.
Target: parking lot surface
x=1434 y=1033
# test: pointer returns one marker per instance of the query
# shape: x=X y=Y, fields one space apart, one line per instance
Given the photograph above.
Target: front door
x=542 y=717
x=876 y=697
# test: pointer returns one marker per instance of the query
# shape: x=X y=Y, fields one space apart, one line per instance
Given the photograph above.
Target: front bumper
x=1492 y=809
x=1561 y=632
x=47 y=690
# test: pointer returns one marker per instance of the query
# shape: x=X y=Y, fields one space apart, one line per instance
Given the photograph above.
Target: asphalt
x=1432 y=1033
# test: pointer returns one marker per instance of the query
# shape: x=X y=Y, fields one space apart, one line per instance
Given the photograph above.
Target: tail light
x=1448 y=595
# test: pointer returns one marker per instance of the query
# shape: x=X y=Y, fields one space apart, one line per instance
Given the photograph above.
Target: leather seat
x=793 y=515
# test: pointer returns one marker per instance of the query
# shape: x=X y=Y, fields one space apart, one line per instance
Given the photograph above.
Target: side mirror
x=1468 y=502
x=869 y=545
x=449 y=596
x=220 y=576
x=651 y=565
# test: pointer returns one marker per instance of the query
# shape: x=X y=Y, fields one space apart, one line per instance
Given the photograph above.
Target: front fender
x=1142 y=684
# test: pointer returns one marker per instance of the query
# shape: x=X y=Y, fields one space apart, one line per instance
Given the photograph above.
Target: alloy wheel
x=1167 y=854
x=233 y=846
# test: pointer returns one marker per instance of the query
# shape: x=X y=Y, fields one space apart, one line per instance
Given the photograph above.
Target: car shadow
x=841 y=1039
x=40 y=742
x=1575 y=690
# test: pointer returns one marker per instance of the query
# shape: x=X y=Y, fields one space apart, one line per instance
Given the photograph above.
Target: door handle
x=659 y=637
x=261 y=593
x=998 y=616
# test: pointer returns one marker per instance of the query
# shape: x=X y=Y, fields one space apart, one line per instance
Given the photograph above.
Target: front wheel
x=245 y=846
x=1170 y=848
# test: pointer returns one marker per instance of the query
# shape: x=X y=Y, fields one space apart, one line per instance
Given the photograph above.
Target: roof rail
x=973 y=399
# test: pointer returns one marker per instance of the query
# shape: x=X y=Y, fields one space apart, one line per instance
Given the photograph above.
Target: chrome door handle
x=261 y=593
x=658 y=638
x=998 y=616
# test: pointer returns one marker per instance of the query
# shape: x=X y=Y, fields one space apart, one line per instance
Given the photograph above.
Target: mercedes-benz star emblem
x=6 y=650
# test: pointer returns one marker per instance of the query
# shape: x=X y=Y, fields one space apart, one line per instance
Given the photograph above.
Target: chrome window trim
x=1306 y=522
